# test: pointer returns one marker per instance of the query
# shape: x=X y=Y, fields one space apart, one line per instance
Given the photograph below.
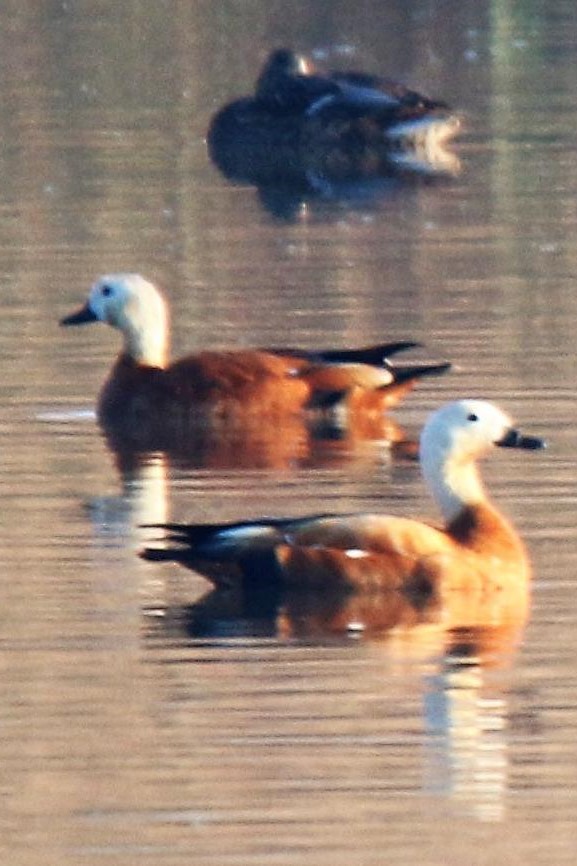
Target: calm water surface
x=139 y=720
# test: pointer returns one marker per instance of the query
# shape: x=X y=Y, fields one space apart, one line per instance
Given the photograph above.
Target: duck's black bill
x=80 y=317
x=514 y=439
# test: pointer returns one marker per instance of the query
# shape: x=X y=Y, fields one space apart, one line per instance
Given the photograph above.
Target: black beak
x=514 y=439
x=80 y=317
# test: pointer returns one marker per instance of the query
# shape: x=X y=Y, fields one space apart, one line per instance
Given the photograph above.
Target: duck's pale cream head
x=134 y=306
x=454 y=438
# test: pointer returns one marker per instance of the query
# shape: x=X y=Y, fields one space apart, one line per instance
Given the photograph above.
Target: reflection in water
x=144 y=496
x=292 y=441
x=143 y=500
x=293 y=199
x=465 y=745
x=298 y=200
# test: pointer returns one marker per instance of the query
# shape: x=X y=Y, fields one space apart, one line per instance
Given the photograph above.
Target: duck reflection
x=292 y=442
x=456 y=639
x=322 y=197
x=466 y=757
x=308 y=194
x=142 y=499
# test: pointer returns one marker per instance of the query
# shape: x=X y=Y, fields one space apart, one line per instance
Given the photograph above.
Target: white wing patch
x=240 y=532
x=356 y=553
x=320 y=104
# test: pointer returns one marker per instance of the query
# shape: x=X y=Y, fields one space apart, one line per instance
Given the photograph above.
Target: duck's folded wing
x=375 y=553
x=360 y=534
x=393 y=93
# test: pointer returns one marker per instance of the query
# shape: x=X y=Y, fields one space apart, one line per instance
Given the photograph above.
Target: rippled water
x=141 y=720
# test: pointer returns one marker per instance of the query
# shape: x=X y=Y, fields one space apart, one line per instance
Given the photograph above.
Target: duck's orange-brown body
x=233 y=385
x=370 y=553
x=147 y=399
x=216 y=384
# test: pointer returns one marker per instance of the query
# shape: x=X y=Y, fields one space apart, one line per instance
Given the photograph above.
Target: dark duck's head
x=288 y=82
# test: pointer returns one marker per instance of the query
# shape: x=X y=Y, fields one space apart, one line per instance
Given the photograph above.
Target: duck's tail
x=375 y=356
x=366 y=377
x=226 y=554
x=218 y=541
x=415 y=371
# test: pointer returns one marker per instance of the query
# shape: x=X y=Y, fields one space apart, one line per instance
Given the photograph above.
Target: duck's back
x=256 y=381
x=205 y=384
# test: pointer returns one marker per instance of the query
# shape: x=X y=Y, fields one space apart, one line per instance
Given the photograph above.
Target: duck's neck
x=470 y=518
x=455 y=484
x=146 y=337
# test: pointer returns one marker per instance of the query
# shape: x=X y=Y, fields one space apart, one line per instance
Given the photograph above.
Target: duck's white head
x=134 y=306
x=454 y=438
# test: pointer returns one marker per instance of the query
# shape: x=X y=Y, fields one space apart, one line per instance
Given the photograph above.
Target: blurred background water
x=134 y=726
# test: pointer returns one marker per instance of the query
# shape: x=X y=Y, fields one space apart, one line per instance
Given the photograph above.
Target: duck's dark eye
x=472 y=417
x=106 y=291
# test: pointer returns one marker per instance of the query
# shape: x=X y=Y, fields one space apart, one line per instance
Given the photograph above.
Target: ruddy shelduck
x=226 y=386
x=476 y=549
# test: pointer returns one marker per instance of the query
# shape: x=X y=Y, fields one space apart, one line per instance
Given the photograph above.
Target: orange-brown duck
x=476 y=549
x=144 y=391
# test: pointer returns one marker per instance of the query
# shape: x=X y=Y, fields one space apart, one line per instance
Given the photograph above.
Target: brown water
x=136 y=728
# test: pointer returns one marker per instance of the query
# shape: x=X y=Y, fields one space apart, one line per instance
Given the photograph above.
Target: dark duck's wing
x=360 y=88
x=290 y=83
